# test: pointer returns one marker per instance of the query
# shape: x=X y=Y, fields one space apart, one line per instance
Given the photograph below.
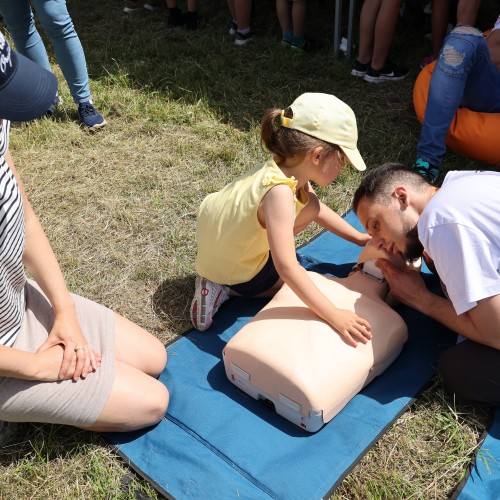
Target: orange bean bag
x=472 y=134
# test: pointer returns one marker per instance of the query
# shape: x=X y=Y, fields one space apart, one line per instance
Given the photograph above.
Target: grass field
x=119 y=208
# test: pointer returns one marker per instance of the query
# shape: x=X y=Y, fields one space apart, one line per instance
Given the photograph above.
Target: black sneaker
x=176 y=17
x=390 y=72
x=192 y=21
x=233 y=28
x=243 y=39
x=359 y=69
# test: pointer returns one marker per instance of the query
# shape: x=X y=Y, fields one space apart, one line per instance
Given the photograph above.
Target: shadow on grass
x=172 y=299
x=238 y=83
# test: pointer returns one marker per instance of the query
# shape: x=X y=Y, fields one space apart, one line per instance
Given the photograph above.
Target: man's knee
x=459 y=49
x=469 y=372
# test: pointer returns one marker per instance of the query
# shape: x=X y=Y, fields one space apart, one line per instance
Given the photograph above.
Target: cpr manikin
x=289 y=356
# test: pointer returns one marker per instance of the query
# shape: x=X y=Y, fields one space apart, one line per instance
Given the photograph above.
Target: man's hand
x=406 y=286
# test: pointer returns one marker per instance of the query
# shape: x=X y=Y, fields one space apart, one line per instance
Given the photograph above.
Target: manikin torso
x=287 y=354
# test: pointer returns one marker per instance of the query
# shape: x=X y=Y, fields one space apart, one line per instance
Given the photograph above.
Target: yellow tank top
x=232 y=245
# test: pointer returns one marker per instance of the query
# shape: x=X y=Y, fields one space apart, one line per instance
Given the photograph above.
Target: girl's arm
x=277 y=208
x=41 y=263
x=334 y=223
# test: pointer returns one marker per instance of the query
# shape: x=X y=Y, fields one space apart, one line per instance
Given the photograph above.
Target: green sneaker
x=306 y=44
x=427 y=170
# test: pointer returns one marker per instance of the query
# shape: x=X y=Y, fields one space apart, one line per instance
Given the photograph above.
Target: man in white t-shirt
x=457 y=229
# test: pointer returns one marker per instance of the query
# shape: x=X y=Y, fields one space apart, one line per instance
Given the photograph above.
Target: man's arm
x=481 y=323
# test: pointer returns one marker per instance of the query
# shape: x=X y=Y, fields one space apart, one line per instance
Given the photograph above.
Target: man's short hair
x=378 y=183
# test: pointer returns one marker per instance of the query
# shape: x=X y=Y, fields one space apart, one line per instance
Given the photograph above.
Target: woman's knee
x=136 y=401
x=138 y=348
x=156 y=406
x=158 y=359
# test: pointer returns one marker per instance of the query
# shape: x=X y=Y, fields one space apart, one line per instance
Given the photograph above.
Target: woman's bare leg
x=138 y=348
x=137 y=399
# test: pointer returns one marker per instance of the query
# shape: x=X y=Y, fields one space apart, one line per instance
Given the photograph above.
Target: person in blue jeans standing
x=57 y=24
x=467 y=74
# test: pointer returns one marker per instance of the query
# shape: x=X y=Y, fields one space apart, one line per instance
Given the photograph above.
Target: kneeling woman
x=63 y=358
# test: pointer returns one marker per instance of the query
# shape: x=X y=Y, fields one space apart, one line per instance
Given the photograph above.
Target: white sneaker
x=208 y=297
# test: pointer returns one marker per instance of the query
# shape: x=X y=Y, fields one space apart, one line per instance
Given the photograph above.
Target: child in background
x=245 y=232
x=292 y=23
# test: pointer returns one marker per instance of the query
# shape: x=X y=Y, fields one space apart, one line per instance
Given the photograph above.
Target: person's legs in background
x=20 y=22
x=464 y=75
x=57 y=24
x=377 y=24
x=243 y=15
x=285 y=20
x=466 y=15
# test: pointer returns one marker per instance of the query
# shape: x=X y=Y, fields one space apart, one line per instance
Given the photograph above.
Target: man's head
x=388 y=203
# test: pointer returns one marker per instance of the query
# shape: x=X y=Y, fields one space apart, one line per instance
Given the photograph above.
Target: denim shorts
x=261 y=282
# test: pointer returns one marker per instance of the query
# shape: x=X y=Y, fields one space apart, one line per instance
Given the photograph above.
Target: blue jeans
x=464 y=76
x=57 y=24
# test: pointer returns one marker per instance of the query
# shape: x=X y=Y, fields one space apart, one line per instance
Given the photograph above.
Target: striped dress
x=12 y=241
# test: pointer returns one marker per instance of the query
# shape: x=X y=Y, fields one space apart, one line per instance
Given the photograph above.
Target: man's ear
x=401 y=194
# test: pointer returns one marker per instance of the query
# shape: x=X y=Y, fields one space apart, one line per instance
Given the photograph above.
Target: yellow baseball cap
x=326 y=117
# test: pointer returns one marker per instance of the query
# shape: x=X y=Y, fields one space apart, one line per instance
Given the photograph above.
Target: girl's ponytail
x=284 y=142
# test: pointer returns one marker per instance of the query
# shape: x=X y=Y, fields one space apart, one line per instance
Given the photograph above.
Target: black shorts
x=265 y=279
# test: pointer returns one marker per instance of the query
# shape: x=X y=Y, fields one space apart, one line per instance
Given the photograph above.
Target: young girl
x=245 y=232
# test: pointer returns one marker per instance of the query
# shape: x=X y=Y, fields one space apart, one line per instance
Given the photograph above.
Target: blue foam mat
x=216 y=442
x=483 y=483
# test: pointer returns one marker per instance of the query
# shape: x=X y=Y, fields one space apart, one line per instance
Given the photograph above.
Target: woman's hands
x=77 y=359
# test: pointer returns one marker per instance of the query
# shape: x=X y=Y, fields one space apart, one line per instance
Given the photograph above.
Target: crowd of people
x=65 y=359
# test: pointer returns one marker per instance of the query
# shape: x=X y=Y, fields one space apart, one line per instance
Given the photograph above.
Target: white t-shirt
x=460 y=230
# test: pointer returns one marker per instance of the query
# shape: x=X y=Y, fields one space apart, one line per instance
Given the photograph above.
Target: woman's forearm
x=32 y=366
x=39 y=257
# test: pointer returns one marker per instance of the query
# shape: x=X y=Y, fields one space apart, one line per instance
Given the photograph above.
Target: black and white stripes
x=12 y=241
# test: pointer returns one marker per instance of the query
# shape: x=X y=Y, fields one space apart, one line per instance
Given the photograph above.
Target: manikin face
x=370 y=252
x=392 y=227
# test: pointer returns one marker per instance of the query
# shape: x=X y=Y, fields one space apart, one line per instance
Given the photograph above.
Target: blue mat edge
x=472 y=486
